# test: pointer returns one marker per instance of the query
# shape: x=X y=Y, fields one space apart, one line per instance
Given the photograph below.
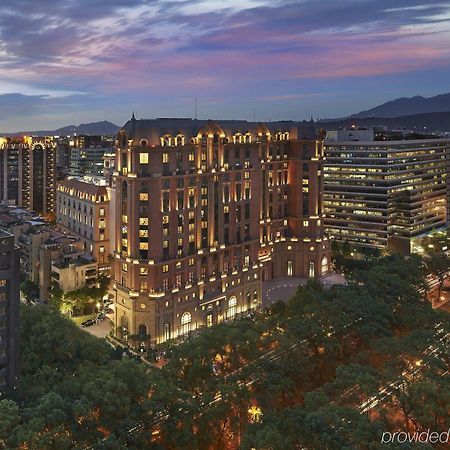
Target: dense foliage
x=311 y=366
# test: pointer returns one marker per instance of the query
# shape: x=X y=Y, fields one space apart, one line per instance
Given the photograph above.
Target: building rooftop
x=153 y=129
x=81 y=260
x=81 y=188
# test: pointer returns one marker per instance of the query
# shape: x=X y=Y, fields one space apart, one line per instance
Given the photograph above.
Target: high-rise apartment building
x=28 y=173
x=9 y=311
x=383 y=194
x=204 y=212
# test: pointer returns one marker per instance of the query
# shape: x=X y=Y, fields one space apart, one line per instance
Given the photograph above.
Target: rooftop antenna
x=195 y=108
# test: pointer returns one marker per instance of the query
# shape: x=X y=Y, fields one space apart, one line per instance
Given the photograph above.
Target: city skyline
x=88 y=61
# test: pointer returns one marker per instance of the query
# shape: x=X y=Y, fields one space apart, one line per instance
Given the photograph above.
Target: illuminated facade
x=28 y=173
x=206 y=211
x=83 y=210
x=383 y=194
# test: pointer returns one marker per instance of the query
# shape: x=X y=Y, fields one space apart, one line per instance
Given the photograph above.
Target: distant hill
x=94 y=128
x=408 y=106
x=438 y=121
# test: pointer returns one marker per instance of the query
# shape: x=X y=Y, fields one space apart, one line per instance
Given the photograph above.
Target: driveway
x=285 y=288
x=100 y=329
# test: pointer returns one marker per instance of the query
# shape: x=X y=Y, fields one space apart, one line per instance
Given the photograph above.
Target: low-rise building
x=73 y=271
x=40 y=248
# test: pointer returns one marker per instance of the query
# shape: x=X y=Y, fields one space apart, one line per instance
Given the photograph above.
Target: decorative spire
x=133 y=118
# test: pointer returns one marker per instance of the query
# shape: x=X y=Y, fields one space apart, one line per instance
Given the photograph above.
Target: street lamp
x=255 y=414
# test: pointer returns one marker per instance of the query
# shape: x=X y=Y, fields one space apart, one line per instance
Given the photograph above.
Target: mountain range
x=408 y=106
x=95 y=128
x=416 y=113
x=419 y=123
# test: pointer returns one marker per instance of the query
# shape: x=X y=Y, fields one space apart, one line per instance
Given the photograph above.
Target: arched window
x=166 y=140
x=324 y=266
x=193 y=141
x=144 y=142
x=237 y=138
x=248 y=138
x=123 y=140
x=166 y=331
x=312 y=270
x=186 y=320
x=123 y=330
x=289 y=268
x=232 y=308
x=142 y=330
x=278 y=136
x=216 y=139
x=204 y=139
x=180 y=139
x=286 y=136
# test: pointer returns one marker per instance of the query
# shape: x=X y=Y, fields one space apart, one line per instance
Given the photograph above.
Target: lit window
x=186 y=320
x=232 y=308
x=143 y=158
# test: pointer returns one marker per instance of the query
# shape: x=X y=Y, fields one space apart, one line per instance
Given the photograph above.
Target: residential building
x=40 y=247
x=27 y=173
x=385 y=194
x=204 y=212
x=83 y=210
x=72 y=271
x=9 y=312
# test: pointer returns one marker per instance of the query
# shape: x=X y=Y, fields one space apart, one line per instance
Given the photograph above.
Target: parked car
x=88 y=323
x=101 y=317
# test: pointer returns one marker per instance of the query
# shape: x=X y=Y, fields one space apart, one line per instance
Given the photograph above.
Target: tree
x=9 y=419
x=29 y=289
x=439 y=265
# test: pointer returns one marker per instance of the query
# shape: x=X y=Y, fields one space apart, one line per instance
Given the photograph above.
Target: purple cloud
x=257 y=50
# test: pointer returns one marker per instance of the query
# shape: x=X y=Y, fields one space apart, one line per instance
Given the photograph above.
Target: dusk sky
x=71 y=61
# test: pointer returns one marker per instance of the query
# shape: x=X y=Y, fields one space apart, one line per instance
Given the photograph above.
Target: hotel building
x=384 y=194
x=204 y=212
x=27 y=173
x=9 y=311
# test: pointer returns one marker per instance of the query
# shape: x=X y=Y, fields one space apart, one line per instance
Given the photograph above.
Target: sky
x=66 y=62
